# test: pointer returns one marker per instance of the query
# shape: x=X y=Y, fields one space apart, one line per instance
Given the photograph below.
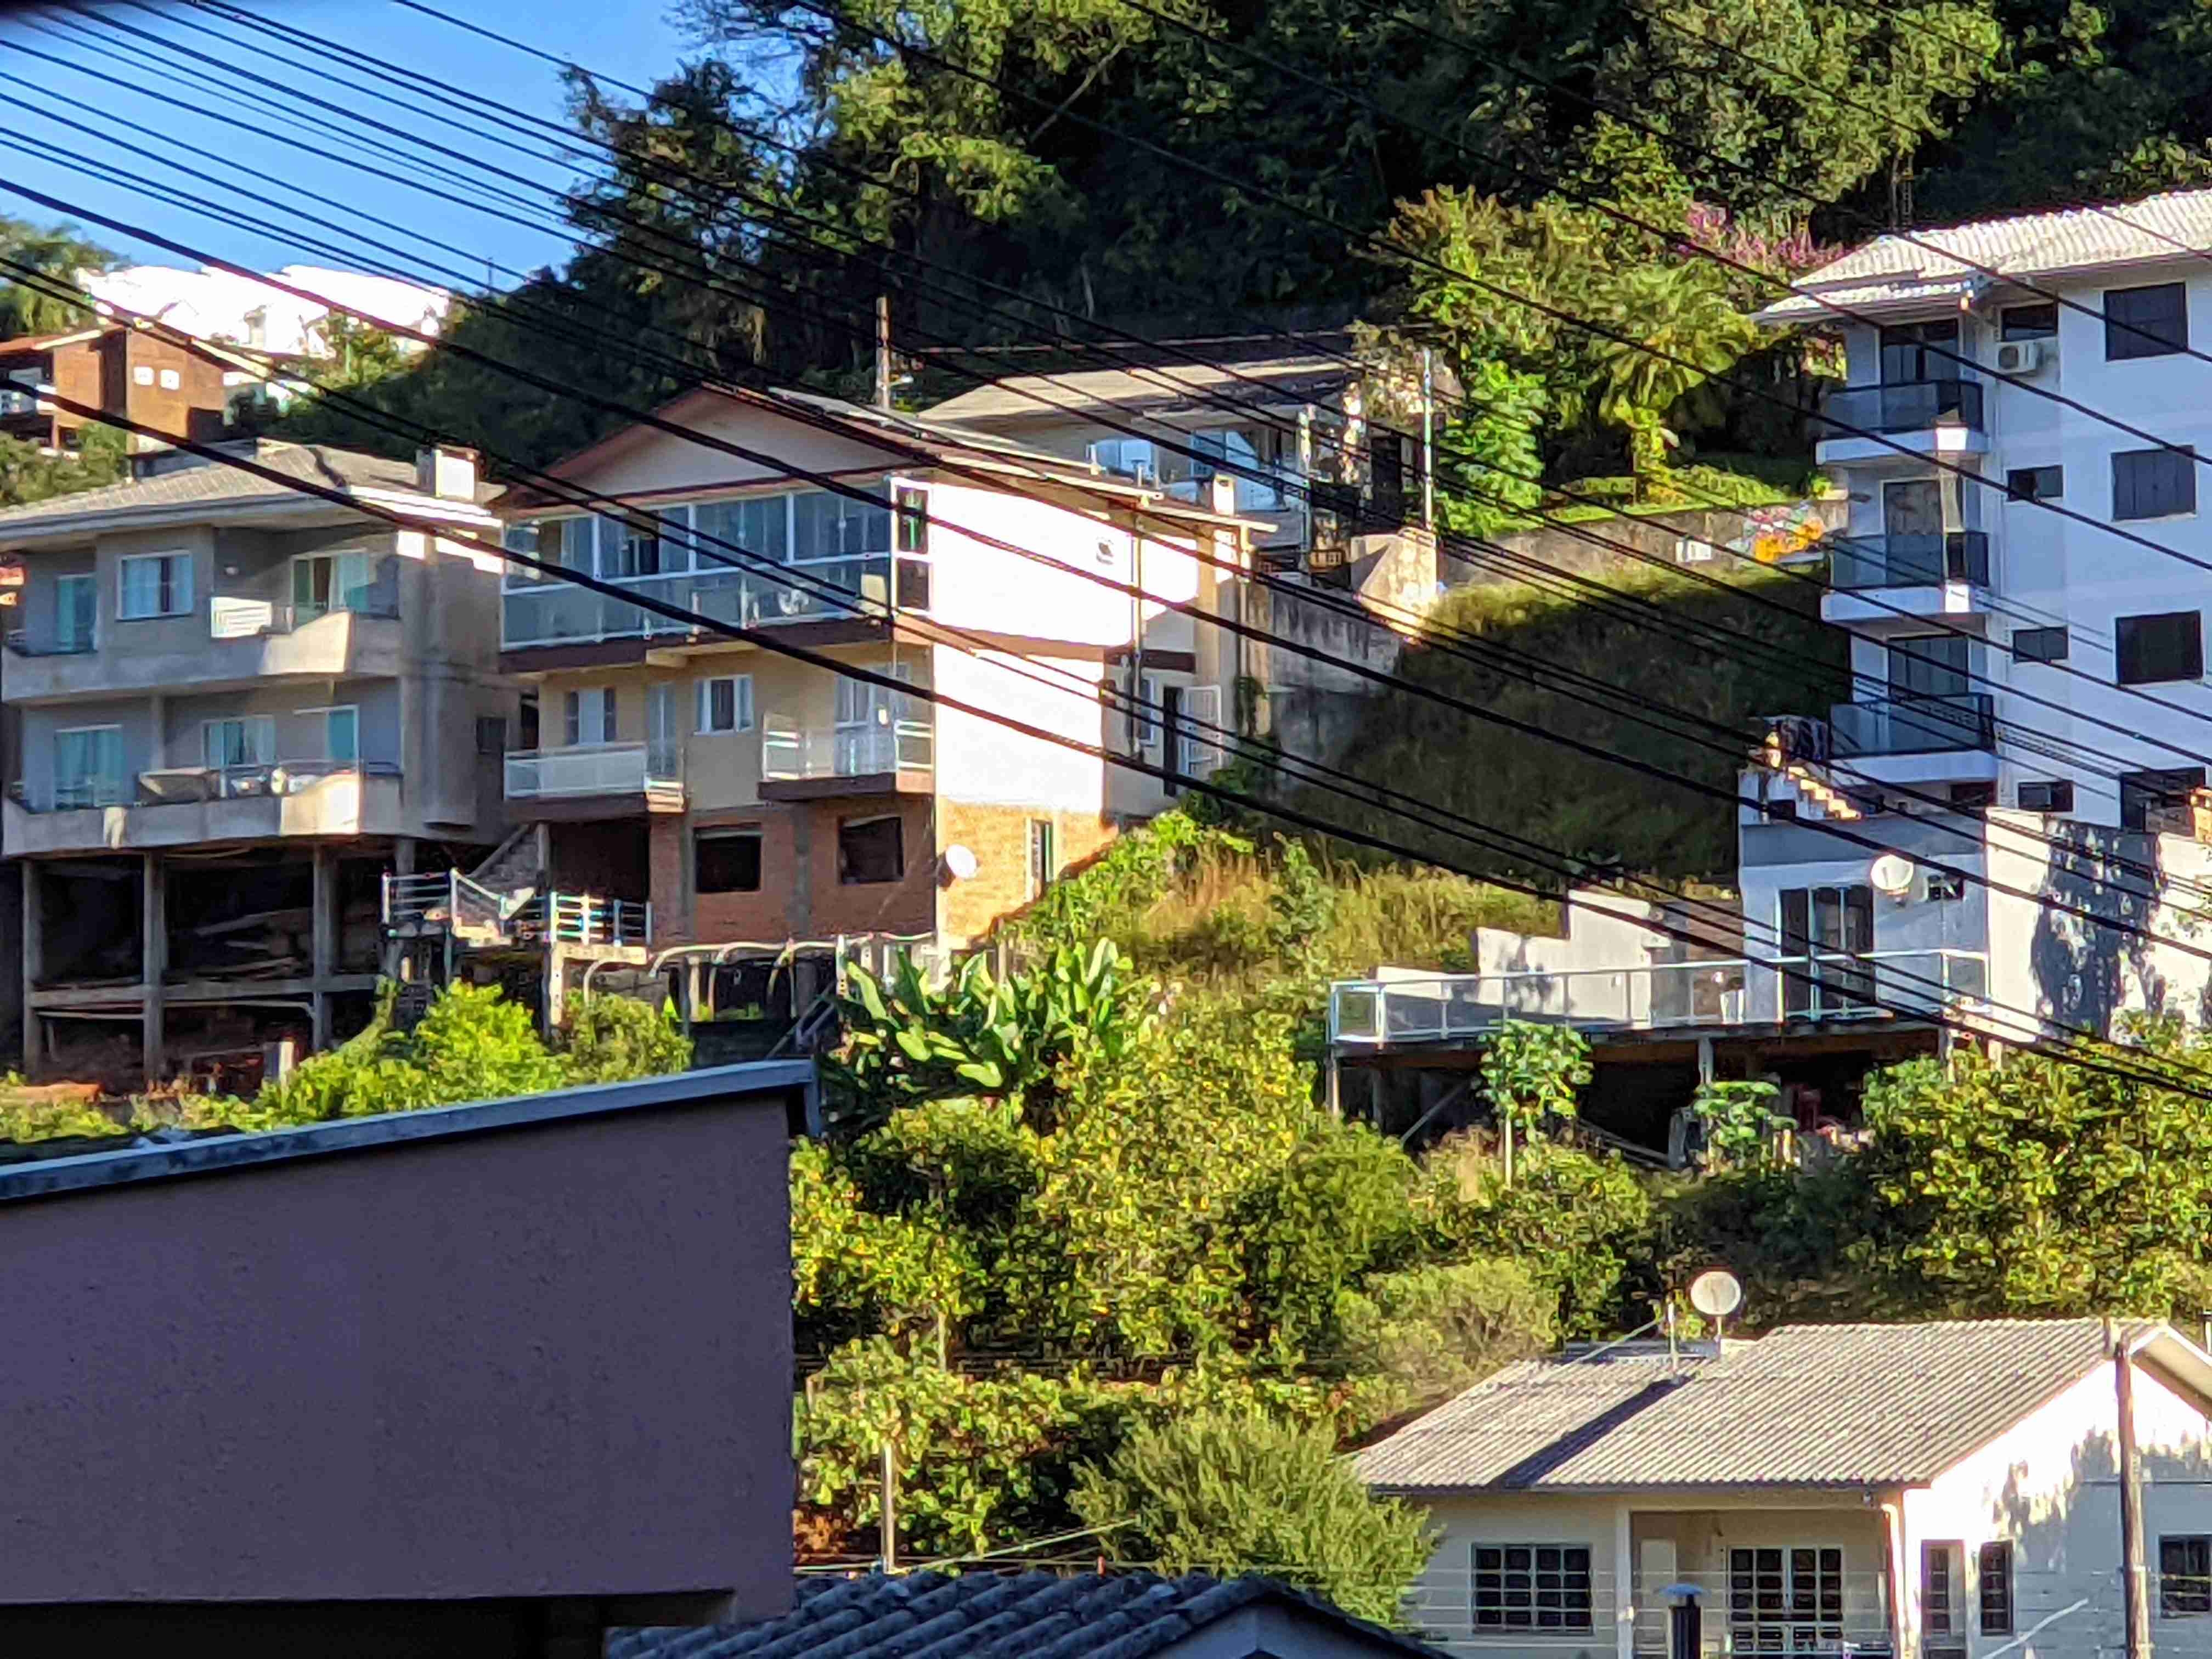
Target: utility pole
x=889 y=1528
x=883 y=351
x=2131 y=1511
x=1428 y=439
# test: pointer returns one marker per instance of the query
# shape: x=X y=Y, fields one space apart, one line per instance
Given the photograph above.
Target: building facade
x=232 y=709
x=134 y=373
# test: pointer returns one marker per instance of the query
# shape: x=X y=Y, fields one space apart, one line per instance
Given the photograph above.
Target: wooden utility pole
x=2131 y=1512
x=883 y=351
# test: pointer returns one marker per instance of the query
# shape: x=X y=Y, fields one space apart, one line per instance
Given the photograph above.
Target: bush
x=1231 y=1492
x=611 y=1039
x=1414 y=1338
x=1339 y=1205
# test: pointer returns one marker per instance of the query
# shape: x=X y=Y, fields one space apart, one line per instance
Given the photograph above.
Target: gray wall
x=545 y=1360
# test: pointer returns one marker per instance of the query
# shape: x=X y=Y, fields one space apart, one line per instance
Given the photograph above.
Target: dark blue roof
x=986 y=1615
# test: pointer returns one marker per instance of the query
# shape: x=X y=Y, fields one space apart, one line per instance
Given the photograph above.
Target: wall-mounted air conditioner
x=2021 y=356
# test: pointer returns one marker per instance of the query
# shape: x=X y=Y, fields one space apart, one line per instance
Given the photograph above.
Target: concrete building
x=231 y=708
x=706 y=793
x=1943 y=1491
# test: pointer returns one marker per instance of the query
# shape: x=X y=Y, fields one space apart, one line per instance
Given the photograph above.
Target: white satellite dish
x=1891 y=874
x=1716 y=1293
x=961 y=862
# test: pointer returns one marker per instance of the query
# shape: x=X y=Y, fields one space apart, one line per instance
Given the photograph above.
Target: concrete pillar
x=1623 y=1584
x=403 y=856
x=324 y=961
x=556 y=987
x=154 y=959
x=34 y=966
x=158 y=719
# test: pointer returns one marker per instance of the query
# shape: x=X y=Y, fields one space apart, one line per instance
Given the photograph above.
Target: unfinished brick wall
x=1000 y=838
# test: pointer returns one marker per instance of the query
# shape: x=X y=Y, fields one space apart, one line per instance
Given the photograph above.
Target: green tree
x=1239 y=1491
x=1411 y=1338
x=1739 y=1118
x=1671 y=328
x=56 y=251
x=611 y=1039
x=1531 y=1074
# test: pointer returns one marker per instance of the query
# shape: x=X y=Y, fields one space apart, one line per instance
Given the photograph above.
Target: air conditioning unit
x=2021 y=356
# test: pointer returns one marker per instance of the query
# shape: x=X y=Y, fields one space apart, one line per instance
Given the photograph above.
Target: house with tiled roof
x=1037 y=1616
x=1948 y=1489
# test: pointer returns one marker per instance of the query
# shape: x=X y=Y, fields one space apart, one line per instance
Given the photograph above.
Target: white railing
x=806 y=590
x=1821 y=986
x=585 y=919
x=448 y=900
x=790 y=750
x=593 y=768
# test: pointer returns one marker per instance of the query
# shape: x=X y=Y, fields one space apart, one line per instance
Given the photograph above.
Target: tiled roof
x=1148 y=390
x=214 y=484
x=1030 y=1615
x=1806 y=1405
x=2027 y=247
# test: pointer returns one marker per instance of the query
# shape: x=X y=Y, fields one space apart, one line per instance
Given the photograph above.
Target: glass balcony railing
x=1911 y=726
x=790 y=752
x=555 y=612
x=179 y=784
x=1909 y=561
x=594 y=769
x=1900 y=406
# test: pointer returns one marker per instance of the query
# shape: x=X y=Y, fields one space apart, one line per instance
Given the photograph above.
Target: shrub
x=610 y=1039
x=1413 y=1337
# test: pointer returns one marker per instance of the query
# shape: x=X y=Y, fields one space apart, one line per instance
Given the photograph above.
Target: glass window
x=1940 y=1621
x=1929 y=666
x=323 y=582
x=2185 y=1575
x=88 y=766
x=1786 y=1600
x=2146 y=797
x=913 y=520
x=588 y=715
x=1920 y=351
x=244 y=740
x=628 y=547
x=2055 y=796
x=76 y=609
x=2146 y=322
x=2035 y=484
x=725 y=703
x=1532 y=1587
x=1993 y=1587
x=1127 y=457
x=759 y=525
x=341 y=734
x=726 y=861
x=154 y=585
x=2152 y=649
x=2038 y=322
x=828 y=527
x=2154 y=483
x=2039 y=644
x=871 y=850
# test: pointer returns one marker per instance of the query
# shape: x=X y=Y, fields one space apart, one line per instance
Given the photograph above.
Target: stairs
x=513 y=872
x=1817 y=789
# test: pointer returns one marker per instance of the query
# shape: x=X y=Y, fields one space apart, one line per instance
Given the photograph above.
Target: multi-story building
x=232 y=708
x=748 y=798
x=137 y=373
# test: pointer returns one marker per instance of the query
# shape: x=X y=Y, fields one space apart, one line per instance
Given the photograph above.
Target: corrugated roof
x=1030 y=1615
x=2026 y=247
x=1806 y=1405
x=1140 y=390
x=214 y=484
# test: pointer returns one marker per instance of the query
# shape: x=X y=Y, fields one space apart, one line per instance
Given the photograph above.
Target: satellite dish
x=1716 y=1293
x=961 y=862
x=1891 y=874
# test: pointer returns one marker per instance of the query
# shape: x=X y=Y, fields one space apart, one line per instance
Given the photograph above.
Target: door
x=77 y=604
x=1175 y=734
x=1912 y=527
x=1920 y=351
x=663 y=737
x=1822 y=924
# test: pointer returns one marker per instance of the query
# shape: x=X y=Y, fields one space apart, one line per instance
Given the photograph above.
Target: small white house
x=1940 y=1491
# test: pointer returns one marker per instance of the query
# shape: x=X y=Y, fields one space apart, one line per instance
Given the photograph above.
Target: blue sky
x=628 y=40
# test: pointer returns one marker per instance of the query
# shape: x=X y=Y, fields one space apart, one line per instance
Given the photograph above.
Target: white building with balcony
x=232 y=708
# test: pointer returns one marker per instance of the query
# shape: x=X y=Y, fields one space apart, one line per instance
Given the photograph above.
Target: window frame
x=2129 y=339
x=2061 y=798
x=741 y=705
x=2141 y=497
x=1573 y=1609
x=328 y=711
x=1745 y=1614
x=256 y=723
x=2197 y=1568
x=847 y=826
x=120 y=780
x=572 y=716
x=74 y=582
x=2127 y=643
x=1044 y=850
x=2049 y=644
x=1993 y=1615
x=727 y=834
x=2032 y=491
x=2006 y=330
x=175 y=600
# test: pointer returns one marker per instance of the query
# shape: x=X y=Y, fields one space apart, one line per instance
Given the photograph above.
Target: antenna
x=1716 y=1293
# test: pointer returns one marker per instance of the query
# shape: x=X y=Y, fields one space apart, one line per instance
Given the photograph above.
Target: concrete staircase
x=1831 y=801
x=515 y=873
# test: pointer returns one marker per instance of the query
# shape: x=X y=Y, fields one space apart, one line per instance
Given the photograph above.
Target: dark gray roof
x=1146 y=390
x=1806 y=1405
x=1029 y=1615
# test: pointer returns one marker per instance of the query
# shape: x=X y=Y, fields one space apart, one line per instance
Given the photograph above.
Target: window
x=88 y=766
x=725 y=703
x=171 y=380
x=628 y=547
x=1786 y=1600
x=1828 y=926
x=726 y=861
x=1532 y=1587
x=1993 y=1587
x=2035 y=484
x=588 y=715
x=871 y=850
x=827 y=526
x=2154 y=483
x=141 y=374
x=243 y=740
x=341 y=732
x=1145 y=718
x=913 y=520
x=2027 y=322
x=1044 y=855
x=2185 y=1575
x=2055 y=796
x=154 y=585
x=1929 y=666
x=2039 y=644
x=762 y=526
x=1943 y=1626
x=491 y=734
x=2146 y=322
x=564 y=542
x=324 y=582
x=1126 y=457
x=2152 y=649
x=2145 y=797
x=76 y=607
x=1920 y=351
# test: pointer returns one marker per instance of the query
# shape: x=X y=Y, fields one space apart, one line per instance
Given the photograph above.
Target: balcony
x=179 y=807
x=881 y=756
x=242 y=641
x=1926 y=416
x=1911 y=726
x=595 y=780
x=1883 y=583
x=807 y=590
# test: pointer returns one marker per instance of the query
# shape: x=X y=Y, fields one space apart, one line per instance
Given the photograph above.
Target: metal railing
x=1909 y=561
x=584 y=919
x=790 y=750
x=1912 y=725
x=594 y=769
x=555 y=612
x=1824 y=985
x=448 y=900
x=1899 y=406
x=40 y=642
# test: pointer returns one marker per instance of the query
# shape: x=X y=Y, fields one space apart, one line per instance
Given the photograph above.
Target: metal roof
x=1956 y=261
x=1030 y=1615
x=1805 y=1406
x=1143 y=391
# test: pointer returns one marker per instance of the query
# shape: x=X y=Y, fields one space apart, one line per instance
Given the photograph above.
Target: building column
x=1623 y=1584
x=325 y=960
x=34 y=966
x=555 y=1000
x=154 y=964
x=402 y=856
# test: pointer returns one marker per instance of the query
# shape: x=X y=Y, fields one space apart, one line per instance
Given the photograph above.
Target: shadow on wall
x=2086 y=972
